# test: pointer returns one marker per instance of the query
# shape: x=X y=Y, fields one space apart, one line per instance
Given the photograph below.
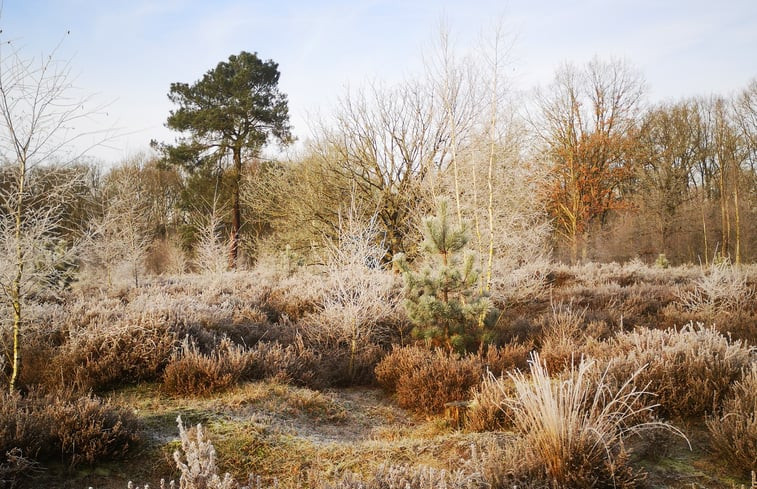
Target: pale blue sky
x=129 y=52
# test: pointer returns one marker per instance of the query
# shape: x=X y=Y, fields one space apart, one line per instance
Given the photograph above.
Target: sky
x=125 y=54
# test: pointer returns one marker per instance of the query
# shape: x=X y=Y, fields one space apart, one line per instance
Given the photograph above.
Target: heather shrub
x=88 y=429
x=23 y=426
x=733 y=431
x=104 y=356
x=38 y=428
x=425 y=380
x=501 y=359
x=193 y=373
x=690 y=370
x=346 y=364
x=399 y=361
x=295 y=296
x=290 y=364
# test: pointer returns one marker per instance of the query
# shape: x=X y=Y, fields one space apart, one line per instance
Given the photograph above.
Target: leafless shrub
x=15 y=466
x=723 y=288
x=733 y=431
x=210 y=254
x=359 y=306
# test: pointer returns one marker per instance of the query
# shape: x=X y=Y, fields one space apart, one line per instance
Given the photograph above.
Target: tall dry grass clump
x=574 y=427
x=689 y=369
x=733 y=432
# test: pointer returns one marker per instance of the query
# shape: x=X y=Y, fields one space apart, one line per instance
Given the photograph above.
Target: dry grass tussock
x=574 y=427
x=689 y=369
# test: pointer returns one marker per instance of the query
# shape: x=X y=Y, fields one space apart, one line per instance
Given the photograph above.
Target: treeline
x=582 y=169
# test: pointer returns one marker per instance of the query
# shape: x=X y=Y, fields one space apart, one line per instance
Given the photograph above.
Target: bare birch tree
x=37 y=119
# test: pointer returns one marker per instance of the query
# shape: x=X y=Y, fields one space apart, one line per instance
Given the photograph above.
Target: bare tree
x=386 y=142
x=209 y=257
x=488 y=176
x=37 y=119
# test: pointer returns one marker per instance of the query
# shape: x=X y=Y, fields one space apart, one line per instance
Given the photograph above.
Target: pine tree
x=443 y=300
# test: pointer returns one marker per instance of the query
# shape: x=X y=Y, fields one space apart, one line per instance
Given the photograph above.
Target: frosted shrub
x=193 y=373
x=722 y=289
x=733 y=431
x=359 y=301
x=688 y=369
x=197 y=462
x=403 y=477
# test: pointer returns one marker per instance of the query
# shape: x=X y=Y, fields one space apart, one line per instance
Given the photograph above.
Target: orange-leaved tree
x=588 y=121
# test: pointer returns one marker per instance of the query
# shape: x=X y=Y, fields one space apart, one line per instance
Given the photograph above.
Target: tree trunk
x=236 y=213
x=737 y=217
x=704 y=235
x=16 y=285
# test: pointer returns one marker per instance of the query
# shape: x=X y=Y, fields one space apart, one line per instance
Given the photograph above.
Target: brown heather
x=688 y=369
x=425 y=381
x=45 y=427
x=192 y=373
x=733 y=429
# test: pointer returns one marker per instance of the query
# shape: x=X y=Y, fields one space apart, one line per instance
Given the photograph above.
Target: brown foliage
x=487 y=410
x=733 y=432
x=500 y=359
x=192 y=373
x=291 y=364
x=83 y=430
x=426 y=380
x=688 y=369
x=104 y=357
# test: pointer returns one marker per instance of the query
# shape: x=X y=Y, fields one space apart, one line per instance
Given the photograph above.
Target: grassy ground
x=296 y=435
